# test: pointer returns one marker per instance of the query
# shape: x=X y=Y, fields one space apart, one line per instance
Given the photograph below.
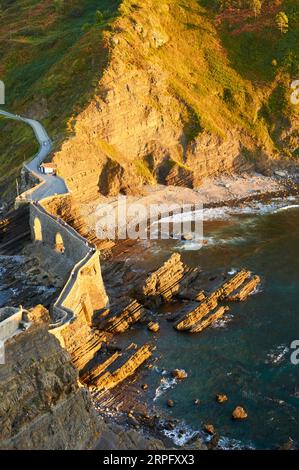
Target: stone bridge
x=84 y=289
x=57 y=234
x=84 y=292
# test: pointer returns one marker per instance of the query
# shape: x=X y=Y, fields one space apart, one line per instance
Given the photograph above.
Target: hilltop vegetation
x=51 y=52
x=221 y=66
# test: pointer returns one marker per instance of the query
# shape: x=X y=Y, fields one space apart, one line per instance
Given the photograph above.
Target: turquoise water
x=246 y=357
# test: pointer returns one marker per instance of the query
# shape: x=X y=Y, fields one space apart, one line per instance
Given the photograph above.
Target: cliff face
x=41 y=404
x=169 y=109
x=140 y=127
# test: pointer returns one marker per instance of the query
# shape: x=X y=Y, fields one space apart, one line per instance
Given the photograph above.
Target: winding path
x=51 y=184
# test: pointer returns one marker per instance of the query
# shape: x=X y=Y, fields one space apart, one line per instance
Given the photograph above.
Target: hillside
x=161 y=91
x=51 y=51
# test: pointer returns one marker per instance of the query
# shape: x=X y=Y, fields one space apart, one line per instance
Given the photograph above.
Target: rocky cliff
x=170 y=108
x=42 y=405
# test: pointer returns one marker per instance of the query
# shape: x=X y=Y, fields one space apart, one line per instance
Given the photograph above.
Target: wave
x=182 y=434
x=286 y=208
x=277 y=355
x=165 y=384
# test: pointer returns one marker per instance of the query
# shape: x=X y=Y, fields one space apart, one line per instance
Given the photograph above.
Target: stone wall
x=10 y=324
x=45 y=228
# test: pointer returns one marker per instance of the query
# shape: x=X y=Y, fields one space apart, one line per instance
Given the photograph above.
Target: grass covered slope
x=190 y=86
x=51 y=51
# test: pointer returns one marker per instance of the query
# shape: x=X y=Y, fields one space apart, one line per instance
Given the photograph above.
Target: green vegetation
x=229 y=62
x=50 y=64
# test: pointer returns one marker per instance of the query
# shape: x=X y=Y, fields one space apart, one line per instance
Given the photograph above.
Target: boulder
x=170 y=403
x=239 y=413
x=180 y=374
x=221 y=398
x=187 y=236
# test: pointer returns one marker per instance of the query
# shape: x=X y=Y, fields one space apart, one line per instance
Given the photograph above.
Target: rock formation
x=118 y=367
x=163 y=284
x=245 y=291
x=205 y=323
x=42 y=405
x=120 y=318
x=239 y=413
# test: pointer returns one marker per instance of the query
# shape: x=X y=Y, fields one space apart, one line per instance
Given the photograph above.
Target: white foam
x=181 y=434
x=286 y=208
x=165 y=384
x=277 y=355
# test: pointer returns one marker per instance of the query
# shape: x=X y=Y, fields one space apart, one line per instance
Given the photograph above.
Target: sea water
x=246 y=356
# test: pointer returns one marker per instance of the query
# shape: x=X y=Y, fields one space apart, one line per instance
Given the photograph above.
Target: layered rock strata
x=42 y=405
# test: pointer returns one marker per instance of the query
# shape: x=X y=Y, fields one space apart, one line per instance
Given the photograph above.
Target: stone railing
x=10 y=324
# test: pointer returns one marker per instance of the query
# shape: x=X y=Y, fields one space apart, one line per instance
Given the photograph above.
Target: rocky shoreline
x=150 y=420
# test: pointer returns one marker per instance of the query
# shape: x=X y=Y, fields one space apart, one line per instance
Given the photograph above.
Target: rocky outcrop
x=120 y=318
x=242 y=293
x=192 y=318
x=239 y=413
x=206 y=312
x=203 y=324
x=163 y=284
x=118 y=367
x=232 y=284
x=221 y=398
x=42 y=405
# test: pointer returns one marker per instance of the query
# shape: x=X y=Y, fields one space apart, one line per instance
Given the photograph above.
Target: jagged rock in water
x=41 y=403
x=153 y=326
x=203 y=324
x=190 y=287
x=119 y=319
x=239 y=413
x=188 y=321
x=241 y=294
x=232 y=284
x=199 y=319
x=118 y=367
x=170 y=403
x=163 y=284
x=180 y=374
x=209 y=428
x=221 y=398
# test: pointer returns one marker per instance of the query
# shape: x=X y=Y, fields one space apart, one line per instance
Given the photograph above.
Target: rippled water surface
x=247 y=356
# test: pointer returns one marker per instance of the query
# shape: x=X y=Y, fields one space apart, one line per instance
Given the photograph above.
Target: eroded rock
x=239 y=413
